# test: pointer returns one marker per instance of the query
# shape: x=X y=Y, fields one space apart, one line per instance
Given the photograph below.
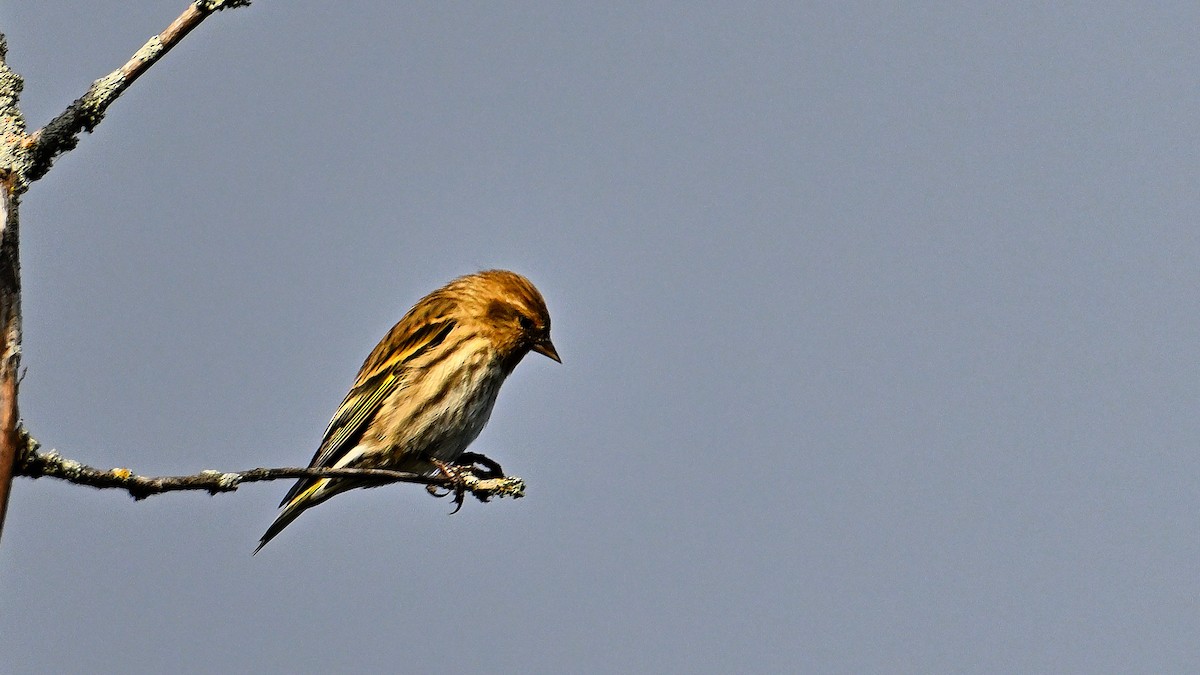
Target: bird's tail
x=316 y=493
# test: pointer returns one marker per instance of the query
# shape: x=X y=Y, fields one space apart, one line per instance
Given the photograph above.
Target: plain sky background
x=880 y=327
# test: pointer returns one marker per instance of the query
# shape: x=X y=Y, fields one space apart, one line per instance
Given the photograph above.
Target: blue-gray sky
x=880 y=327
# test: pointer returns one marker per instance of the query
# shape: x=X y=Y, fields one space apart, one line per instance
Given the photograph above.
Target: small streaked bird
x=428 y=387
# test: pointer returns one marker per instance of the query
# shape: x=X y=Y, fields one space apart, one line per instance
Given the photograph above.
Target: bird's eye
x=526 y=322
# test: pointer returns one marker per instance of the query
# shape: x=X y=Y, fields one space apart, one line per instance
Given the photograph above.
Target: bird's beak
x=546 y=348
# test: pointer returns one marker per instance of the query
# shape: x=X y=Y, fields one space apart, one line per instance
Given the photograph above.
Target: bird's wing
x=384 y=372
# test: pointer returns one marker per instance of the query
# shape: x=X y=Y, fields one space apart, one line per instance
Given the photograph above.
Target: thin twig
x=37 y=465
x=62 y=133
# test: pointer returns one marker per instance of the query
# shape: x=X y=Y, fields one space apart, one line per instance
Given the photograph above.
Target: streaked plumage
x=427 y=389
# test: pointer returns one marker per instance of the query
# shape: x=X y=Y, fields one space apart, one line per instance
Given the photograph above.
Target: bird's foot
x=470 y=465
x=455 y=475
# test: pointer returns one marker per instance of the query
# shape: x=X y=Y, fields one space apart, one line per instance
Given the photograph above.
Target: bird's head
x=510 y=311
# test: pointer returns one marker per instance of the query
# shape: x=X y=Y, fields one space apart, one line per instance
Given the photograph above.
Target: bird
x=427 y=389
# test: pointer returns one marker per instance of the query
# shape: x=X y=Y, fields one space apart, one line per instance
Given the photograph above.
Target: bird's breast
x=443 y=407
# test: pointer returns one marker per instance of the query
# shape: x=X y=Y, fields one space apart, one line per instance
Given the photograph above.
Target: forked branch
x=25 y=158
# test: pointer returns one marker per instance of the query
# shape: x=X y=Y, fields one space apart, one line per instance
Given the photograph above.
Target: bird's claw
x=454 y=474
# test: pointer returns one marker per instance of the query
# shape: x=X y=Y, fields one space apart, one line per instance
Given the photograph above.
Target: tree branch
x=10 y=339
x=462 y=480
x=12 y=130
x=62 y=133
